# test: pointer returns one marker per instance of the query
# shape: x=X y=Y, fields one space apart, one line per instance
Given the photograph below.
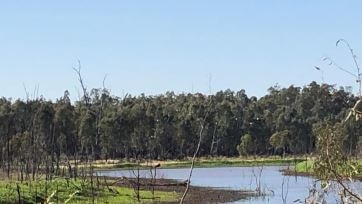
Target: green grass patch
x=304 y=166
x=60 y=190
x=230 y=162
x=126 y=195
x=307 y=167
x=207 y=162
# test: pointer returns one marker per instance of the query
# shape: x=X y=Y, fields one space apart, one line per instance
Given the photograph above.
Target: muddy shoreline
x=196 y=194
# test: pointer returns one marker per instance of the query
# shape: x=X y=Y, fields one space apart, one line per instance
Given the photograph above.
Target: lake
x=242 y=178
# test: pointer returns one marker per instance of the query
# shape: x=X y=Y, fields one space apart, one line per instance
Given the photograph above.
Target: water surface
x=242 y=178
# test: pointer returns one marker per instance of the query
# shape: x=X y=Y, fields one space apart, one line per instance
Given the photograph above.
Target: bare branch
x=104 y=81
x=333 y=63
x=285 y=189
x=354 y=57
x=26 y=92
x=80 y=79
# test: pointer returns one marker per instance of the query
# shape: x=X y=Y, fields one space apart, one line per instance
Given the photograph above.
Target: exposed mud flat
x=201 y=195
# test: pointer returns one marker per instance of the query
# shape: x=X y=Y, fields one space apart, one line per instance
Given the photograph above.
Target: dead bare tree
x=314 y=196
x=285 y=189
x=137 y=185
x=214 y=140
x=86 y=98
x=257 y=177
x=153 y=173
x=78 y=71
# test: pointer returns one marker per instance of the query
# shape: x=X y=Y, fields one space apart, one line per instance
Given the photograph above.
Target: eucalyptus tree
x=167 y=126
x=6 y=131
x=109 y=127
x=65 y=133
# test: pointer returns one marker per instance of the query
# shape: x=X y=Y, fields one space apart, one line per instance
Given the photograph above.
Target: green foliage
x=61 y=190
x=246 y=145
x=332 y=162
x=304 y=167
x=166 y=126
x=280 y=140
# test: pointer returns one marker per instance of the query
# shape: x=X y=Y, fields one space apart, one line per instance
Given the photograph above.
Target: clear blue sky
x=154 y=46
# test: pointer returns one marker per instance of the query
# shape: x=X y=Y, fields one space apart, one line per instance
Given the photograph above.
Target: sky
x=155 y=46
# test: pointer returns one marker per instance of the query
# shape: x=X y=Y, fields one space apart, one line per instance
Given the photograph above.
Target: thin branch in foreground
x=202 y=126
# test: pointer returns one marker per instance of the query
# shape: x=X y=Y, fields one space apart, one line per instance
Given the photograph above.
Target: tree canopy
x=166 y=126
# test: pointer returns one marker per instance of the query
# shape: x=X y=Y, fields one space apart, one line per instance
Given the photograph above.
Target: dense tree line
x=102 y=126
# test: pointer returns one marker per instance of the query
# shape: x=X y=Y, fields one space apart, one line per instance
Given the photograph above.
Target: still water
x=243 y=178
